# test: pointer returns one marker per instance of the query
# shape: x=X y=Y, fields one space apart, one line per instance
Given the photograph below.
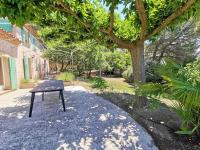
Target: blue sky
x=119 y=9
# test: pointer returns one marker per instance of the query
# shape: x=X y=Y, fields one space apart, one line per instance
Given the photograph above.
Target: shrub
x=99 y=83
x=66 y=76
x=182 y=85
x=151 y=73
x=128 y=74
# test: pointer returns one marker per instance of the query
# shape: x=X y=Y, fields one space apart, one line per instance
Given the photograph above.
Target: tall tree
x=142 y=20
x=180 y=44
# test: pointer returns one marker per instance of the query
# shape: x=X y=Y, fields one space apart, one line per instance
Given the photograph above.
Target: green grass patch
x=66 y=76
x=118 y=84
x=113 y=84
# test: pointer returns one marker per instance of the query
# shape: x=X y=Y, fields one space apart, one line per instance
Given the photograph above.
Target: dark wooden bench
x=47 y=86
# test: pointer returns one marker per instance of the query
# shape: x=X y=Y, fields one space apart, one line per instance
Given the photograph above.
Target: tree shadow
x=122 y=100
x=90 y=122
x=161 y=123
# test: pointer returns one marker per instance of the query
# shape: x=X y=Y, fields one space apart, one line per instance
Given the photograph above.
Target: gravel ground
x=90 y=122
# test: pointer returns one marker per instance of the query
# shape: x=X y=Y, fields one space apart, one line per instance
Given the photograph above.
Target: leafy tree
x=142 y=20
x=60 y=55
x=61 y=38
x=65 y=44
x=117 y=60
x=179 y=44
x=88 y=56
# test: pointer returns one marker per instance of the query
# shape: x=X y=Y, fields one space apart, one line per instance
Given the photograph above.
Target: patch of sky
x=119 y=9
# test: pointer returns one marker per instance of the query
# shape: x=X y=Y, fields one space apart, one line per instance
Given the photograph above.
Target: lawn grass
x=119 y=85
x=114 y=85
x=66 y=76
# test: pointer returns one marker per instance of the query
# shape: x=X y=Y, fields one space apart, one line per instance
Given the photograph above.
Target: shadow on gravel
x=160 y=123
x=89 y=122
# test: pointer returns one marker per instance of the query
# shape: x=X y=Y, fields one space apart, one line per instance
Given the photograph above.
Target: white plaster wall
x=34 y=53
x=8 y=49
x=37 y=67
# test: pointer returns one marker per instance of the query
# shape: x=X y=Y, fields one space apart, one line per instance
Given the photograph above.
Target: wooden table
x=47 y=86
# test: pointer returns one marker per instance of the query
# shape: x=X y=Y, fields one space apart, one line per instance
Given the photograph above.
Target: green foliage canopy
x=142 y=20
x=93 y=16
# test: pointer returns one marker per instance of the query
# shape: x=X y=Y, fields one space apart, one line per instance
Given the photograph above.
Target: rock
x=174 y=124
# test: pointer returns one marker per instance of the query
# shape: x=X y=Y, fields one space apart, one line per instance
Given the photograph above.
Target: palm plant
x=182 y=85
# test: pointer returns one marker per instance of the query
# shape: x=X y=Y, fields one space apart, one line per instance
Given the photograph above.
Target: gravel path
x=90 y=122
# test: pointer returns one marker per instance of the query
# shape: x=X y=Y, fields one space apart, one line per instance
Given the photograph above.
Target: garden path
x=90 y=122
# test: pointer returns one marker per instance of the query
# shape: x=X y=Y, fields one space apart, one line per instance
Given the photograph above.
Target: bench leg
x=63 y=100
x=31 y=106
x=42 y=96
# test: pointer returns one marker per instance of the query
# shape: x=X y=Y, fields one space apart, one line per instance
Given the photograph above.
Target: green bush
x=182 y=85
x=128 y=74
x=99 y=83
x=151 y=73
x=66 y=76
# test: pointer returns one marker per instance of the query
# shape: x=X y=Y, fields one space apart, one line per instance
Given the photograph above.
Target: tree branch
x=172 y=17
x=66 y=8
x=112 y=17
x=142 y=16
x=120 y=42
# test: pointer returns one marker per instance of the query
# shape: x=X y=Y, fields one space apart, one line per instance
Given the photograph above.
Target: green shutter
x=6 y=25
x=29 y=40
x=13 y=73
x=23 y=34
x=26 y=69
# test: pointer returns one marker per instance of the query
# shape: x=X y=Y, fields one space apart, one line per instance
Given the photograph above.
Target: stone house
x=20 y=55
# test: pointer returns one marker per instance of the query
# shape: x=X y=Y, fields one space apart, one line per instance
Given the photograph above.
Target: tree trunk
x=62 y=66
x=65 y=67
x=100 y=72
x=89 y=73
x=154 y=55
x=56 y=67
x=137 y=57
x=161 y=55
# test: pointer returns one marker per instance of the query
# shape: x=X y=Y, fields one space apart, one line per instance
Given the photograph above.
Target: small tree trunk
x=62 y=66
x=100 y=72
x=161 y=55
x=89 y=73
x=65 y=67
x=154 y=54
x=137 y=57
x=56 y=67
